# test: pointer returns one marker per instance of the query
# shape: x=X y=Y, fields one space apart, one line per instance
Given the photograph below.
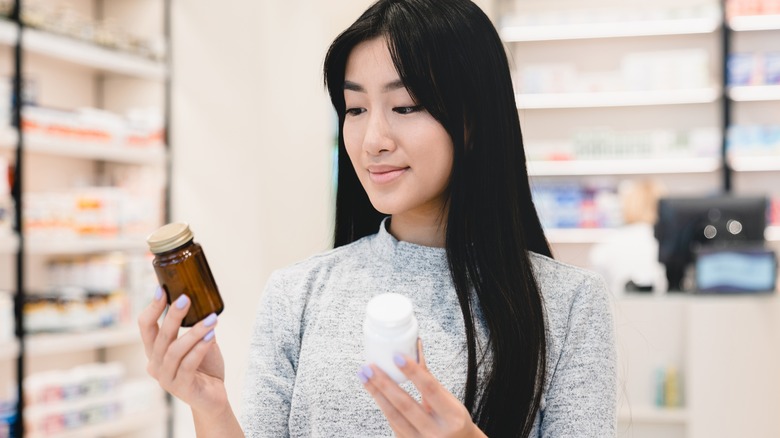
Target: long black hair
x=451 y=60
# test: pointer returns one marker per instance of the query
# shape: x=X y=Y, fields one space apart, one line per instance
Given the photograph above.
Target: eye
x=403 y=110
x=355 y=111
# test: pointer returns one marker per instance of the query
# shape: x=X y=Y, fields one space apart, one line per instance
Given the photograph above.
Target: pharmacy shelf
x=622 y=29
x=8 y=32
x=116 y=154
x=623 y=167
x=578 y=235
x=9 y=350
x=41 y=246
x=55 y=343
x=616 y=98
x=755 y=164
x=91 y=55
x=125 y=424
x=651 y=414
x=755 y=22
x=9 y=244
x=754 y=93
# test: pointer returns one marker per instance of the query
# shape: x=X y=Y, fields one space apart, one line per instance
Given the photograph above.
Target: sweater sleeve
x=273 y=360
x=581 y=400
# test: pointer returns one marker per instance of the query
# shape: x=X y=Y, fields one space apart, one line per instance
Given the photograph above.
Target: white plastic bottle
x=390 y=328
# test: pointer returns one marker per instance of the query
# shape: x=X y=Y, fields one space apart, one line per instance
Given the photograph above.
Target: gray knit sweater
x=307 y=344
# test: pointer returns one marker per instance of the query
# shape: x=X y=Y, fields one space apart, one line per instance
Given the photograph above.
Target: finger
x=398 y=422
x=147 y=320
x=420 y=355
x=436 y=396
x=180 y=348
x=408 y=407
x=194 y=358
x=421 y=360
x=170 y=328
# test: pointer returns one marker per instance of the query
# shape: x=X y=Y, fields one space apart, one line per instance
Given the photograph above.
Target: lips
x=385 y=174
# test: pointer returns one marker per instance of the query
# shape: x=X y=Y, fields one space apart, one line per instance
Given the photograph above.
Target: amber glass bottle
x=181 y=268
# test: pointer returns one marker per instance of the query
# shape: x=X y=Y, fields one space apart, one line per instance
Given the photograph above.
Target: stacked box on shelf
x=755 y=140
x=738 y=8
x=141 y=128
x=669 y=70
x=93 y=212
x=611 y=144
x=89 y=292
x=570 y=205
x=68 y=21
x=58 y=401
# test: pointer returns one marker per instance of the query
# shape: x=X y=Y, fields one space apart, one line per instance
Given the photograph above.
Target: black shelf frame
x=17 y=191
x=726 y=107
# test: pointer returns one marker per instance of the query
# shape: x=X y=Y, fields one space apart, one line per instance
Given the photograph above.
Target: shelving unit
x=55 y=343
x=98 y=152
x=647 y=166
x=753 y=23
x=123 y=425
x=638 y=28
x=754 y=105
x=90 y=55
x=545 y=116
x=47 y=247
x=556 y=49
x=69 y=73
x=755 y=164
x=754 y=93
x=617 y=99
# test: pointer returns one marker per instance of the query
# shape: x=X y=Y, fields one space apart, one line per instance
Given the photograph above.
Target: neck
x=425 y=231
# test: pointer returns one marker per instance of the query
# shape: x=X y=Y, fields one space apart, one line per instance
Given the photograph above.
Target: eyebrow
x=395 y=85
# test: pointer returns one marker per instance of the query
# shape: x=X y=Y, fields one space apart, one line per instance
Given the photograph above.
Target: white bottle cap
x=389 y=311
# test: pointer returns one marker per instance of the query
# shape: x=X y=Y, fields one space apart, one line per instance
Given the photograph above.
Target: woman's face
x=402 y=155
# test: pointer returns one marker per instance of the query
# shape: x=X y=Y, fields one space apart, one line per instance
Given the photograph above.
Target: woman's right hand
x=189 y=367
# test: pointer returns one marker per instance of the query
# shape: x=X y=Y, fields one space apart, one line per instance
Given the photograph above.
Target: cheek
x=353 y=138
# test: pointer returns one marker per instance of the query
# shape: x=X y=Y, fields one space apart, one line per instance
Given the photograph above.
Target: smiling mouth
x=386 y=176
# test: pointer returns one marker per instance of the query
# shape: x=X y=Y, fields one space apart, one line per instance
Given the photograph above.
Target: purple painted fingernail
x=181 y=301
x=363 y=379
x=399 y=360
x=210 y=320
x=209 y=336
x=158 y=293
x=367 y=371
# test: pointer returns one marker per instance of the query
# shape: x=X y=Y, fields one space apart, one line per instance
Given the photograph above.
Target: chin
x=384 y=206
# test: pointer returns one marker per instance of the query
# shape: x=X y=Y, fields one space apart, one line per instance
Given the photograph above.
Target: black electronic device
x=687 y=225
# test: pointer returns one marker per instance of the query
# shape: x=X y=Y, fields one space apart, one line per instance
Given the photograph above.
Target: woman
x=430 y=155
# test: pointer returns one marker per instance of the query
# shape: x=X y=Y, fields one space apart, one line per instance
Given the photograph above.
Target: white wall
x=251 y=136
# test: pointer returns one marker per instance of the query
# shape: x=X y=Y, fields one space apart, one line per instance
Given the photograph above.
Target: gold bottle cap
x=169 y=236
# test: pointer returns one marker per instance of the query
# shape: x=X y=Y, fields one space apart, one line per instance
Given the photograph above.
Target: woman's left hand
x=440 y=414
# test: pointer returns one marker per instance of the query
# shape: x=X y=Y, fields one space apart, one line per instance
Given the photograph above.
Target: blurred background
x=652 y=132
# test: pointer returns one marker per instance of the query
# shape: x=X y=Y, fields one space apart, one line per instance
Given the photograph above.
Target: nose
x=378 y=138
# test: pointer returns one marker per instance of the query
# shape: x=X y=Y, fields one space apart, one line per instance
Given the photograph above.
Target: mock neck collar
x=405 y=252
